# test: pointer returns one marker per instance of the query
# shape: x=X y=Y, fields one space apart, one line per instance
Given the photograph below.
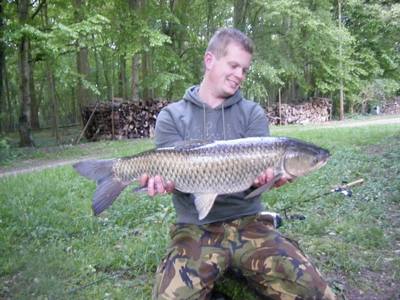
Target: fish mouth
x=321 y=157
x=321 y=163
x=324 y=156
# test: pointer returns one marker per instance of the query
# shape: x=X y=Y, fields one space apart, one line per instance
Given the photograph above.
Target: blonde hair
x=224 y=36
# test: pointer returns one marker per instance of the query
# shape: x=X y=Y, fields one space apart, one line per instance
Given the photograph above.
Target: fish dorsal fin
x=264 y=188
x=191 y=144
x=203 y=203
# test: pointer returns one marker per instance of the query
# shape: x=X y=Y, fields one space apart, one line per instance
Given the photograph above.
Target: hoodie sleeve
x=166 y=131
x=258 y=122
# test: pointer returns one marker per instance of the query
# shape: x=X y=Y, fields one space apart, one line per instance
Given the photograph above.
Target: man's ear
x=209 y=59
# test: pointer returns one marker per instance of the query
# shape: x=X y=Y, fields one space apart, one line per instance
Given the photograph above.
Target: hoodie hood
x=192 y=95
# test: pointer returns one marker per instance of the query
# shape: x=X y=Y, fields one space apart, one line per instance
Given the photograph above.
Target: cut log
x=318 y=110
x=131 y=119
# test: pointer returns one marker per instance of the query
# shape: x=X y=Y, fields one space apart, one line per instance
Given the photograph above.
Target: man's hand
x=156 y=185
x=267 y=176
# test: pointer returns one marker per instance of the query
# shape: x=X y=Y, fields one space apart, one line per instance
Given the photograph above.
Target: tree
x=82 y=59
x=154 y=49
x=239 y=14
x=2 y=72
x=25 y=114
x=51 y=84
x=134 y=6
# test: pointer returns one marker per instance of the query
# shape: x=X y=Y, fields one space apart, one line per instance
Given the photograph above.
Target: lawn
x=53 y=248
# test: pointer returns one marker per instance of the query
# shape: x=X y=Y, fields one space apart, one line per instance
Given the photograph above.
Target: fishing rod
x=344 y=189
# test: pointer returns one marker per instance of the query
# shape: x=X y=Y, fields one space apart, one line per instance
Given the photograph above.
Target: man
x=235 y=234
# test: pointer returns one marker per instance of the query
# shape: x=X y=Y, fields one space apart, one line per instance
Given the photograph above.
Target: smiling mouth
x=233 y=84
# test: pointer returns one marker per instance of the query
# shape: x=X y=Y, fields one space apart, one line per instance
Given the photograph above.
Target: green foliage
x=261 y=72
x=375 y=27
x=379 y=91
x=5 y=150
x=300 y=49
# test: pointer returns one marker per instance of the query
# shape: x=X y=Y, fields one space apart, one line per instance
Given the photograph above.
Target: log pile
x=318 y=110
x=391 y=108
x=121 y=119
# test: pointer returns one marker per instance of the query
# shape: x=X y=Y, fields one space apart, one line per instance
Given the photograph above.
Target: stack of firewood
x=121 y=119
x=391 y=108
x=318 y=110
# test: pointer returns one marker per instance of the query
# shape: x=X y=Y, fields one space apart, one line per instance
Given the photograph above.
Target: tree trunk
x=122 y=81
x=97 y=69
x=210 y=16
x=341 y=101
x=34 y=100
x=25 y=129
x=82 y=61
x=135 y=6
x=2 y=71
x=52 y=87
x=146 y=72
x=53 y=101
x=341 y=87
x=106 y=73
x=135 y=77
x=75 y=106
x=10 y=112
x=239 y=14
x=83 y=71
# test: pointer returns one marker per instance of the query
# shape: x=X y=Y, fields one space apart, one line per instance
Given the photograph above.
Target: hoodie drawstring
x=223 y=121
x=205 y=129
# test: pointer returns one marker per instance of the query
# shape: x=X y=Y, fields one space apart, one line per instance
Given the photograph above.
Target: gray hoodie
x=192 y=119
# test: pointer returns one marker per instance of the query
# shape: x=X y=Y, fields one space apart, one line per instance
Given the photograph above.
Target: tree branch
x=41 y=3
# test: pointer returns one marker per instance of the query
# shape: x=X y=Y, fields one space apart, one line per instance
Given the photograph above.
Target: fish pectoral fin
x=203 y=203
x=140 y=189
x=264 y=187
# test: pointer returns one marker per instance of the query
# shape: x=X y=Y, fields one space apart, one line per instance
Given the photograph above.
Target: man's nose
x=239 y=73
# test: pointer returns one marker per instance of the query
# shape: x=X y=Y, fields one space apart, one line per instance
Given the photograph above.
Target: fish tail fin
x=107 y=191
x=108 y=187
x=95 y=170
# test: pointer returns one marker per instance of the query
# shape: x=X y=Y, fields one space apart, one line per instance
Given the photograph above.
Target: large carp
x=205 y=169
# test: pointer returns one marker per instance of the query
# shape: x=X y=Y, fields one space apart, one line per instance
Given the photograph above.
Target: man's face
x=228 y=72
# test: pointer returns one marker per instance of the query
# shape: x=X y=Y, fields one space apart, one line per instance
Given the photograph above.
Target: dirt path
x=358 y=123
x=37 y=165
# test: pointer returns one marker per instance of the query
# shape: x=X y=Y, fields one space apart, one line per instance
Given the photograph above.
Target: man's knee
x=183 y=283
x=178 y=277
x=281 y=269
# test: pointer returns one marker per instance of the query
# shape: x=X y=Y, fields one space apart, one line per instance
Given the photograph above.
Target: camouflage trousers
x=272 y=264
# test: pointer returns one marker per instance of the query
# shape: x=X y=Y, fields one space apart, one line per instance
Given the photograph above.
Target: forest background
x=58 y=56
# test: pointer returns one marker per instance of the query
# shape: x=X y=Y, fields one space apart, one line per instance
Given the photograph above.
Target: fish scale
x=205 y=169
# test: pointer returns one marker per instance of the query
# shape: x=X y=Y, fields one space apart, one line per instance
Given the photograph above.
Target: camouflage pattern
x=272 y=264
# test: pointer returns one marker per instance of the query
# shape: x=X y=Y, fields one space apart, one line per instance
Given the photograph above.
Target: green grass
x=52 y=247
x=17 y=157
